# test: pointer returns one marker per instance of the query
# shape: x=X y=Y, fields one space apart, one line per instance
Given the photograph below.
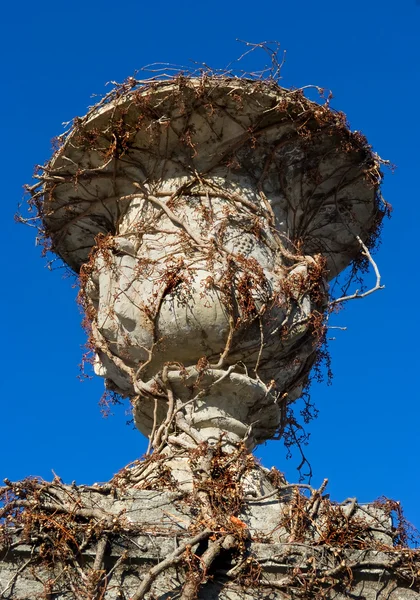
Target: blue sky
x=55 y=56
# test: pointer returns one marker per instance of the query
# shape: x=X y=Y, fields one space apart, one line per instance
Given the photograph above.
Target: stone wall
x=130 y=544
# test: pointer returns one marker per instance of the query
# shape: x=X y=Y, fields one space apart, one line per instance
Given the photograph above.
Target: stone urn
x=205 y=217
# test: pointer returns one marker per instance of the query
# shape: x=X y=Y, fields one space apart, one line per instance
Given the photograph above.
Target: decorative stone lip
x=319 y=178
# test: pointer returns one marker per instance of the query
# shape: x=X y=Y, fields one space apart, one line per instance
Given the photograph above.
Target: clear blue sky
x=54 y=56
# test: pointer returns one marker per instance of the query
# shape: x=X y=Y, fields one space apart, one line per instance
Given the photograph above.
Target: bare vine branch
x=358 y=295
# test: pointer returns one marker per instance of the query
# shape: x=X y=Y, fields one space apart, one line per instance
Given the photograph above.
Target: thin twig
x=15 y=576
x=172 y=216
x=357 y=295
